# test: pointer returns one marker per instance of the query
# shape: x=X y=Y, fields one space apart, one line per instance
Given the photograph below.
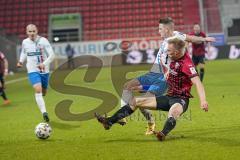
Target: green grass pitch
x=213 y=135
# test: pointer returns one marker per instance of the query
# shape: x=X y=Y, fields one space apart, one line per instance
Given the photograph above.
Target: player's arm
x=23 y=57
x=5 y=61
x=51 y=55
x=189 y=47
x=207 y=49
x=201 y=92
x=196 y=39
x=5 y=66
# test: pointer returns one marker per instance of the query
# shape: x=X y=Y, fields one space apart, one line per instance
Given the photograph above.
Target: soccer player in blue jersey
x=38 y=53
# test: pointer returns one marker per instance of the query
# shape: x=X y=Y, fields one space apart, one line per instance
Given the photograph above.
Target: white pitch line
x=16 y=80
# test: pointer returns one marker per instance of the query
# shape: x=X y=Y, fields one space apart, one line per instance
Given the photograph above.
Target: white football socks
x=40 y=102
x=126 y=97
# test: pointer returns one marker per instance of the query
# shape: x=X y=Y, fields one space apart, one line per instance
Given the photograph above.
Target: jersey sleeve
x=2 y=55
x=161 y=50
x=189 y=69
x=49 y=50
x=23 y=54
x=180 y=35
x=204 y=35
x=191 y=34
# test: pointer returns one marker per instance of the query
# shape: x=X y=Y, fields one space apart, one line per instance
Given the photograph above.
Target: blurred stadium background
x=104 y=27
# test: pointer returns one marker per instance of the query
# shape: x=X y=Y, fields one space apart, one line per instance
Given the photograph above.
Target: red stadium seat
x=114 y=18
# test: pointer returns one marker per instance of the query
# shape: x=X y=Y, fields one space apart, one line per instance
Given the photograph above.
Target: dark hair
x=196 y=23
x=166 y=20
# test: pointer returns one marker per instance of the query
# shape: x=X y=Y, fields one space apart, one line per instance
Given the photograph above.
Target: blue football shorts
x=36 y=77
x=154 y=83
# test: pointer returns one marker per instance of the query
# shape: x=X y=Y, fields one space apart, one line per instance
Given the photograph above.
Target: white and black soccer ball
x=43 y=130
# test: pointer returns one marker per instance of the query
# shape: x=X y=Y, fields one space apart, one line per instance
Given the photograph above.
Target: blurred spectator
x=70 y=53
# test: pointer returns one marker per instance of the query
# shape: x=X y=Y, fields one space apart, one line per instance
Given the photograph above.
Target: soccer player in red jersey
x=198 y=50
x=180 y=77
x=3 y=72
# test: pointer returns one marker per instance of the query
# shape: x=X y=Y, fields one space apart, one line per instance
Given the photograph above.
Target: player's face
x=172 y=52
x=163 y=30
x=32 y=32
x=196 y=29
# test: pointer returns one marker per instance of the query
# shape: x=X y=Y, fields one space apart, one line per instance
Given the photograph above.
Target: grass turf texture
x=212 y=135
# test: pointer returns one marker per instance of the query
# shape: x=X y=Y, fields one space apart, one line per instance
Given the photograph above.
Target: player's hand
x=5 y=72
x=210 y=39
x=204 y=106
x=19 y=64
x=41 y=67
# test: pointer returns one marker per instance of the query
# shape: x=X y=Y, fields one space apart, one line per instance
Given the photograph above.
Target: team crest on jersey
x=173 y=72
x=39 y=48
x=177 y=65
x=193 y=70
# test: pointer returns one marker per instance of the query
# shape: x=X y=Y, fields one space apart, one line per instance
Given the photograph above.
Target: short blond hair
x=177 y=43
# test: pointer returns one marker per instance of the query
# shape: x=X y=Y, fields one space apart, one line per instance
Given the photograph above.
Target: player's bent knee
x=127 y=86
x=176 y=111
x=130 y=84
x=132 y=102
x=201 y=66
x=38 y=89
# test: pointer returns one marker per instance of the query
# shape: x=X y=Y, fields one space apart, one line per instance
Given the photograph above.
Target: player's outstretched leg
x=120 y=114
x=127 y=95
x=103 y=120
x=122 y=122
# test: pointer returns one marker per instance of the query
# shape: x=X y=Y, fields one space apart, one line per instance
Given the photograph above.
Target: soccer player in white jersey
x=154 y=82
x=38 y=53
